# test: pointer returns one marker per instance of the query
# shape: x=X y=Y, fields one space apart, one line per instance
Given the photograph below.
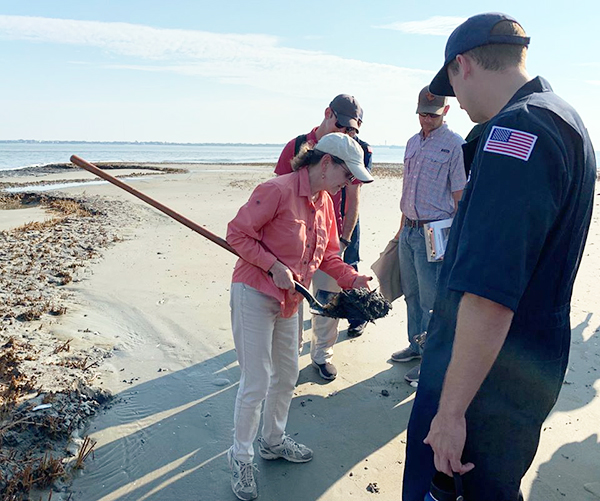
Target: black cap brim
x=440 y=85
x=347 y=121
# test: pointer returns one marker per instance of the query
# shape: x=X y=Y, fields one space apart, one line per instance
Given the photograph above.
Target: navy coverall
x=517 y=240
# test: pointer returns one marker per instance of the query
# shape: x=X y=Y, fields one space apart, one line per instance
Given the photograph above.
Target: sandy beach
x=135 y=331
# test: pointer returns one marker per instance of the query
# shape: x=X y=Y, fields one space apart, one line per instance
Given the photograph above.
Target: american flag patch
x=511 y=142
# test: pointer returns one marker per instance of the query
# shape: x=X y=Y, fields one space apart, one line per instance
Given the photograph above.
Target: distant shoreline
x=16 y=180
x=160 y=166
x=157 y=143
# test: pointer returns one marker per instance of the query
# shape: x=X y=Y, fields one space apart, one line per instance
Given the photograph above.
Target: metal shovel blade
x=315 y=307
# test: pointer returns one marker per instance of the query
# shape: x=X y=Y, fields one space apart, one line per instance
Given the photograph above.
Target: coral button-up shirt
x=281 y=222
x=284 y=166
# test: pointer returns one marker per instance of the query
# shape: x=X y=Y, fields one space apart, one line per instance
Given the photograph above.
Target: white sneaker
x=242 y=477
x=289 y=449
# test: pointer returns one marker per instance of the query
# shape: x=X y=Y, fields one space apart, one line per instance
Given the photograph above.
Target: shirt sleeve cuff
x=346 y=281
x=267 y=262
x=496 y=296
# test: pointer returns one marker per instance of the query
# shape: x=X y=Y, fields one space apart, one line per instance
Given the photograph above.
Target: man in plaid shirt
x=433 y=182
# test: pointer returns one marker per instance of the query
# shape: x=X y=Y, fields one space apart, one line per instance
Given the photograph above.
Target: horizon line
x=75 y=141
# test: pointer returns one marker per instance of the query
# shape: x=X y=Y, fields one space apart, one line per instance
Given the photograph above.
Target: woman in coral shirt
x=285 y=232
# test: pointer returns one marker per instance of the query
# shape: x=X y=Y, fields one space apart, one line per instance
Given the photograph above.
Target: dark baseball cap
x=474 y=32
x=348 y=111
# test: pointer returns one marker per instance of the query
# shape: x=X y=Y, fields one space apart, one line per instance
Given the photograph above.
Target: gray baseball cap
x=430 y=103
x=347 y=149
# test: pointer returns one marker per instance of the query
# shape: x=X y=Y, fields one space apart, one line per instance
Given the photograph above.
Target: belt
x=415 y=224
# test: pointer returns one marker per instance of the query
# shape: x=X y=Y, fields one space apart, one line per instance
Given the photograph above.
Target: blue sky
x=256 y=72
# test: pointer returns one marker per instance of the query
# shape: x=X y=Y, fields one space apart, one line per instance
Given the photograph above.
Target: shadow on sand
x=170 y=435
x=166 y=439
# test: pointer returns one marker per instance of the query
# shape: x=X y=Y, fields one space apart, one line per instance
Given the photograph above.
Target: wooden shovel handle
x=178 y=217
x=163 y=208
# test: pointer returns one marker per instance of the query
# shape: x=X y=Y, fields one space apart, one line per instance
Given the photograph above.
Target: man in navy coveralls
x=498 y=342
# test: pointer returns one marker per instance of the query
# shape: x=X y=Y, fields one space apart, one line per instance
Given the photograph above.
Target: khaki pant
x=324 y=329
x=267 y=351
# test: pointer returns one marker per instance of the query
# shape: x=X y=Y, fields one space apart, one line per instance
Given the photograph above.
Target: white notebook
x=436 y=238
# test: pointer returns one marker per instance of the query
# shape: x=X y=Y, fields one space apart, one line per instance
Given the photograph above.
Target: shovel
x=314 y=305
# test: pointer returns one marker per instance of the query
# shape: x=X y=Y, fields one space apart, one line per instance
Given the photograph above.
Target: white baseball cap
x=347 y=149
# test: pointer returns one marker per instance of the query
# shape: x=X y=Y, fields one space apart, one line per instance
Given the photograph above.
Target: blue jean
x=419 y=280
x=351 y=255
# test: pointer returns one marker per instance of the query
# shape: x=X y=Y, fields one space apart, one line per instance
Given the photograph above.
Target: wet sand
x=156 y=303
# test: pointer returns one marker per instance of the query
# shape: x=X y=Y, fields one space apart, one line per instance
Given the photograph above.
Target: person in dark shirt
x=498 y=341
x=345 y=115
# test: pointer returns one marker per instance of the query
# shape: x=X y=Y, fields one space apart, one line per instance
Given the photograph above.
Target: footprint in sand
x=221 y=382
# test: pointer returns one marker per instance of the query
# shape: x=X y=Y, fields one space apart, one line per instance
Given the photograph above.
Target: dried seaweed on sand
x=357 y=304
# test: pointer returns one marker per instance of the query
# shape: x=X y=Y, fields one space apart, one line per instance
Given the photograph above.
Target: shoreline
x=62 y=175
x=66 y=166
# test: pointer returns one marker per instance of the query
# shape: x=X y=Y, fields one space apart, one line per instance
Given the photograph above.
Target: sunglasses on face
x=338 y=161
x=430 y=115
x=349 y=176
x=351 y=131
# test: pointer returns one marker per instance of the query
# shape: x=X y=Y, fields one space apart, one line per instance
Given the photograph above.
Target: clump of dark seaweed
x=357 y=304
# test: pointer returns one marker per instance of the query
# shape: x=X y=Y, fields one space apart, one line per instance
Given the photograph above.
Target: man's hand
x=481 y=328
x=362 y=281
x=446 y=437
x=282 y=276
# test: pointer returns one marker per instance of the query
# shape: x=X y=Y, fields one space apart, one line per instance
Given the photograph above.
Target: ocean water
x=19 y=155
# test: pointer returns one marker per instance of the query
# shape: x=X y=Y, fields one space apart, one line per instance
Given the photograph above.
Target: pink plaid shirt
x=433 y=170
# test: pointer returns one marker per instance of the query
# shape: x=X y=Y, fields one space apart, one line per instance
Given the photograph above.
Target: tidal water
x=15 y=155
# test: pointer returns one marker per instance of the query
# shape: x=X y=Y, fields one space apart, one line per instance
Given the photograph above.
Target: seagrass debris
x=361 y=304
x=13 y=382
x=36 y=369
x=38 y=258
x=30 y=473
x=25 y=461
x=87 y=448
x=151 y=170
x=66 y=346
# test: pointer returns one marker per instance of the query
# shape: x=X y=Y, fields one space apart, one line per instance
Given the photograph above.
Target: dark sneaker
x=289 y=449
x=412 y=376
x=356 y=330
x=243 y=484
x=405 y=355
x=326 y=370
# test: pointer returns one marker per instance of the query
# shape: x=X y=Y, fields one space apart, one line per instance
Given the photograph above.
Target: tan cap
x=430 y=103
x=347 y=149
